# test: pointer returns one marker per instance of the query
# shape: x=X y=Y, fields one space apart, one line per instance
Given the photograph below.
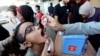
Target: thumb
x=44 y=52
x=46 y=46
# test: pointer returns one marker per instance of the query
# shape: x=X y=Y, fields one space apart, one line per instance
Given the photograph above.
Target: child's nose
x=37 y=27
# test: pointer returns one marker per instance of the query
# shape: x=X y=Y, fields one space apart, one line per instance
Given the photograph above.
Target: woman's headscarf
x=87 y=9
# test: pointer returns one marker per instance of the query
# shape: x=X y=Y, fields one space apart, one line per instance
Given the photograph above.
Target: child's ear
x=27 y=44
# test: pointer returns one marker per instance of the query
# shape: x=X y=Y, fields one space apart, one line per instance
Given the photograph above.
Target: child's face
x=37 y=9
x=32 y=33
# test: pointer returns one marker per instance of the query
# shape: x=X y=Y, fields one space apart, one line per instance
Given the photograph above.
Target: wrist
x=61 y=27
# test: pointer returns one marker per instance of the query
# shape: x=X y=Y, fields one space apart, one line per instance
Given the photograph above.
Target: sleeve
x=3 y=33
x=99 y=17
x=90 y=28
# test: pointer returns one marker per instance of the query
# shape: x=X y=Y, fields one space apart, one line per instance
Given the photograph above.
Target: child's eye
x=29 y=30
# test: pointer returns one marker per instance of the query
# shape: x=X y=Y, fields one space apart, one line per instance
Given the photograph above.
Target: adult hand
x=53 y=23
x=45 y=50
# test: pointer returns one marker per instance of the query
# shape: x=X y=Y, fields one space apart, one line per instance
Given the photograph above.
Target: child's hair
x=13 y=48
x=18 y=37
x=38 y=6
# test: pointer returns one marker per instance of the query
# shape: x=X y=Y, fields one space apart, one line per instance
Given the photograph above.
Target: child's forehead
x=24 y=26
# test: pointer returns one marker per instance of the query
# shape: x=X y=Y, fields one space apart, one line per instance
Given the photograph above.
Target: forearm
x=90 y=28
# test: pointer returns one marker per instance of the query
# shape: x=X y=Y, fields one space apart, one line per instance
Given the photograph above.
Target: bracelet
x=60 y=32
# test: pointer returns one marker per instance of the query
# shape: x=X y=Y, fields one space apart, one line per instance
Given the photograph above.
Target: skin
x=53 y=23
x=20 y=17
x=77 y=1
x=84 y=17
x=37 y=9
x=36 y=41
x=32 y=36
x=65 y=1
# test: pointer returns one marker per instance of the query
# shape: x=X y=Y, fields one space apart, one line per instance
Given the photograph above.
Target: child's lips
x=46 y=36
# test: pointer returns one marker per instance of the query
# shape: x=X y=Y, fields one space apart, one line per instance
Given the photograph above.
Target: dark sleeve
x=70 y=8
x=3 y=33
x=99 y=17
x=56 y=10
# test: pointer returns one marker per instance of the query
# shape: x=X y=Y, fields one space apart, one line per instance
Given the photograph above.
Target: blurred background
x=44 y=4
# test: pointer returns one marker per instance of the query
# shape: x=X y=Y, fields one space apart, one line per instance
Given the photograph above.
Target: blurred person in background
x=51 y=9
x=76 y=17
x=25 y=13
x=90 y=13
x=13 y=14
x=61 y=11
x=39 y=14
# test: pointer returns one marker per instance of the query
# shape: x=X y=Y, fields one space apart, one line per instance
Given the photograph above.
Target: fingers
x=51 y=21
x=52 y=45
x=48 y=21
x=44 y=21
x=44 y=52
x=48 y=46
x=49 y=18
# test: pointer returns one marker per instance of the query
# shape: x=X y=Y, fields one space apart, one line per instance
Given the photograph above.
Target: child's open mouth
x=43 y=33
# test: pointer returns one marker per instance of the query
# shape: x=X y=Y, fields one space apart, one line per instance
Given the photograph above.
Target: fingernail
x=47 y=41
